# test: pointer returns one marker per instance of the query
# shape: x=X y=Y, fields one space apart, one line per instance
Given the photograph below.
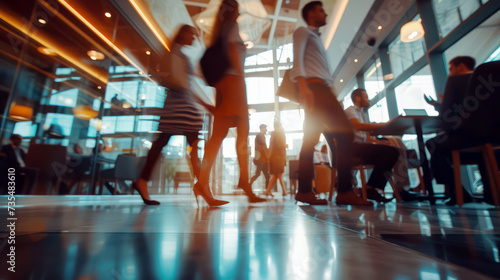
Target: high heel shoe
x=146 y=201
x=198 y=191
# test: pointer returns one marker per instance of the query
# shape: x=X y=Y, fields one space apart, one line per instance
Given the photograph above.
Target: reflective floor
x=116 y=237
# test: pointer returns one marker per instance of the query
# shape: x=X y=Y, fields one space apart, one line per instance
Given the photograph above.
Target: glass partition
x=71 y=76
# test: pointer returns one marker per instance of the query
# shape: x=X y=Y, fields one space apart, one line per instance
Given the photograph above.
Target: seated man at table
x=460 y=72
x=369 y=150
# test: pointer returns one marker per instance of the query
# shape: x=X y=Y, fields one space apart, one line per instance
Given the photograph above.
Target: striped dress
x=181 y=113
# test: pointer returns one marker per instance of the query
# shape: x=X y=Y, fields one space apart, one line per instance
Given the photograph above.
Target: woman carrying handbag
x=231 y=104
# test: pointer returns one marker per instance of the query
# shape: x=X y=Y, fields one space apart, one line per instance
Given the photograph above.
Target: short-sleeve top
x=356 y=113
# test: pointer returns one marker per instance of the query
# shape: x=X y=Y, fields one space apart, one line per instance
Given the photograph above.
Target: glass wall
x=78 y=85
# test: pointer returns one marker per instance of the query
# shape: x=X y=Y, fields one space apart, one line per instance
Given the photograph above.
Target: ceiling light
x=42 y=21
x=85 y=112
x=95 y=55
x=107 y=14
x=140 y=72
x=412 y=31
x=369 y=74
x=99 y=87
x=47 y=51
x=96 y=123
x=379 y=27
x=341 y=80
x=249 y=44
x=20 y=112
x=148 y=52
x=355 y=60
x=126 y=105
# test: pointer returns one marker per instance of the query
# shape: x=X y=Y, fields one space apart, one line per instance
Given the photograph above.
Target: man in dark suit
x=14 y=158
x=450 y=110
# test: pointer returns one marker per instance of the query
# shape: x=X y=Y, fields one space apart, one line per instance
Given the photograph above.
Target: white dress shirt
x=354 y=112
x=309 y=56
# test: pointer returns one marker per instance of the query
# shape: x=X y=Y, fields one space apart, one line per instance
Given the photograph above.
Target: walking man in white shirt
x=323 y=112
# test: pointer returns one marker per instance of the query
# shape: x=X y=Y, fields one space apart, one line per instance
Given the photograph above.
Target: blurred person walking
x=277 y=157
x=261 y=159
x=231 y=105
x=181 y=115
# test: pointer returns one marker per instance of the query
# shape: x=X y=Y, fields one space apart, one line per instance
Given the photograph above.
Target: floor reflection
x=109 y=239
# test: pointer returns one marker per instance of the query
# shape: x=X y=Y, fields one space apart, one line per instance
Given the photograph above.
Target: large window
x=260 y=90
x=378 y=112
x=374 y=79
x=488 y=33
x=450 y=13
x=410 y=94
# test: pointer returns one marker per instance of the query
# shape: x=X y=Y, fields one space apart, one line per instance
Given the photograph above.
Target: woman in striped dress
x=180 y=116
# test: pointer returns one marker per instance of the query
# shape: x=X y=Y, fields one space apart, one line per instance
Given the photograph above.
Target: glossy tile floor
x=116 y=237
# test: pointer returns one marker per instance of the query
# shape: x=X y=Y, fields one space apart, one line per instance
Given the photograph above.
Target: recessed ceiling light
x=148 y=52
x=202 y=20
x=355 y=60
x=379 y=27
x=341 y=80
x=99 y=87
x=95 y=55
x=107 y=14
x=42 y=21
x=47 y=51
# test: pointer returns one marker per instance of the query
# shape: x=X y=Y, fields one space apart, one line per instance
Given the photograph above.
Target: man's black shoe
x=374 y=195
x=408 y=196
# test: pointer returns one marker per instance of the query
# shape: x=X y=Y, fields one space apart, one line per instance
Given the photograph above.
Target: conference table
x=418 y=125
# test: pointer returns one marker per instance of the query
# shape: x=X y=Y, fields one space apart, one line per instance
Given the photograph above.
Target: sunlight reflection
x=485 y=222
x=444 y=218
x=299 y=252
x=425 y=227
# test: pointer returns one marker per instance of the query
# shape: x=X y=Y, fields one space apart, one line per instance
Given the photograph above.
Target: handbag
x=215 y=61
x=288 y=89
x=172 y=73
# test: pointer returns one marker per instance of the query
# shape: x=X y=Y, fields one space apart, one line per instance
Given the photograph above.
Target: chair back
x=50 y=161
x=482 y=102
x=126 y=167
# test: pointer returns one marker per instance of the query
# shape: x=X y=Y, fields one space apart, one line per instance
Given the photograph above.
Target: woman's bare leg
x=280 y=178
x=271 y=184
x=211 y=149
